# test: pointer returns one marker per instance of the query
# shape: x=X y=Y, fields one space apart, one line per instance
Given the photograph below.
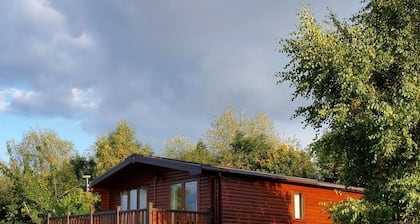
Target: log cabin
x=214 y=194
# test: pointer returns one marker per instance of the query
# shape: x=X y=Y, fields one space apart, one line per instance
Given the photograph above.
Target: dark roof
x=193 y=169
x=197 y=169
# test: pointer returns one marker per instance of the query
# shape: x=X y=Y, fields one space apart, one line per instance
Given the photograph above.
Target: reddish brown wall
x=104 y=193
x=174 y=176
x=160 y=195
x=251 y=201
x=139 y=177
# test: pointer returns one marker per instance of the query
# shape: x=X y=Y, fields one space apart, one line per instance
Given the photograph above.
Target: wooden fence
x=150 y=215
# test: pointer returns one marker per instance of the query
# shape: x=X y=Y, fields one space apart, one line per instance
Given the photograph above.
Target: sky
x=167 y=67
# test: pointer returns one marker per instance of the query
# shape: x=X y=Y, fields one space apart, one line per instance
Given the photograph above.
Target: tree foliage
x=362 y=79
x=83 y=166
x=236 y=141
x=40 y=179
x=224 y=130
x=181 y=148
x=258 y=154
x=401 y=204
x=113 y=148
x=330 y=162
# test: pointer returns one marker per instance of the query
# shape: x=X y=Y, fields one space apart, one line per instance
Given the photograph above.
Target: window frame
x=124 y=204
x=196 y=195
x=128 y=194
x=301 y=205
x=130 y=199
x=139 y=201
x=183 y=194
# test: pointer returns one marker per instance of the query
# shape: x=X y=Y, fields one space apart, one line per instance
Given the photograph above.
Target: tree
x=40 y=179
x=118 y=145
x=181 y=148
x=252 y=143
x=330 y=162
x=201 y=154
x=83 y=166
x=362 y=79
x=5 y=195
x=223 y=130
x=177 y=147
x=258 y=154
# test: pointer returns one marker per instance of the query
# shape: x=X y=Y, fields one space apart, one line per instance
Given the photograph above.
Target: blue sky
x=167 y=67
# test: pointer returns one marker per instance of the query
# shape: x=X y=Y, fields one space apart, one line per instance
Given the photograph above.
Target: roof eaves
x=283 y=178
x=192 y=168
x=126 y=162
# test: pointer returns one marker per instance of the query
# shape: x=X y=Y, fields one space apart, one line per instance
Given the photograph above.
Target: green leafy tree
x=181 y=148
x=223 y=130
x=40 y=178
x=252 y=143
x=177 y=147
x=116 y=146
x=258 y=154
x=83 y=166
x=362 y=79
x=5 y=188
x=330 y=162
x=12 y=201
x=201 y=154
x=76 y=202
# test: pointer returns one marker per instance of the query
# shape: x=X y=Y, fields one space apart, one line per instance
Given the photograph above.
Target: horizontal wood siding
x=170 y=176
x=314 y=199
x=114 y=199
x=104 y=193
x=145 y=176
x=205 y=193
x=247 y=201
x=253 y=201
x=140 y=176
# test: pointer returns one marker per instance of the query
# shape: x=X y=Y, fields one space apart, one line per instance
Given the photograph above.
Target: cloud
x=10 y=95
x=84 y=99
x=168 y=67
x=21 y=101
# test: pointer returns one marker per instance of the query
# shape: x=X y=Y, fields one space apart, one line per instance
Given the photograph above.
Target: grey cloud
x=165 y=66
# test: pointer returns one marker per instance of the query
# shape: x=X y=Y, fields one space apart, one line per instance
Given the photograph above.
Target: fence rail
x=150 y=215
x=180 y=217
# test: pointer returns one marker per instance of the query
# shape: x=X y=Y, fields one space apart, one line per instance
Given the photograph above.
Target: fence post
x=92 y=210
x=150 y=213
x=68 y=217
x=118 y=214
x=48 y=218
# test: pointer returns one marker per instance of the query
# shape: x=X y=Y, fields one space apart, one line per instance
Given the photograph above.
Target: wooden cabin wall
x=159 y=195
x=139 y=177
x=169 y=176
x=253 y=201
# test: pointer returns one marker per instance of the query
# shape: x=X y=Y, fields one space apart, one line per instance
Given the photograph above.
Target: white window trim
x=298 y=205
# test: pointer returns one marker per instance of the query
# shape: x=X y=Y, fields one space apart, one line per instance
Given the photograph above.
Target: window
x=124 y=200
x=176 y=195
x=184 y=196
x=191 y=196
x=133 y=199
x=143 y=198
x=298 y=205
